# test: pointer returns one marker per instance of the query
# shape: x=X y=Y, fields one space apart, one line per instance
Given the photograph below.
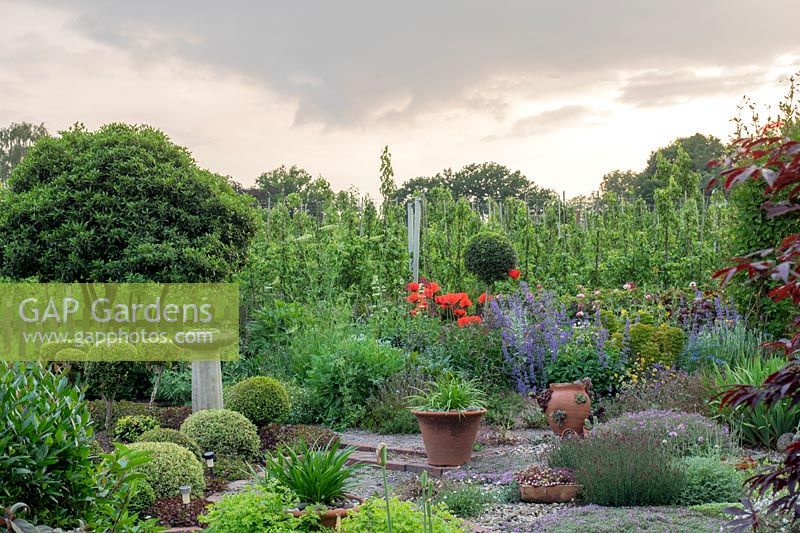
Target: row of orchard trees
x=351 y=249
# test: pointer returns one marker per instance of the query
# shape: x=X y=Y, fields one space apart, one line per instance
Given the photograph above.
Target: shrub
x=171 y=435
x=263 y=400
x=257 y=509
x=168 y=417
x=387 y=411
x=759 y=425
x=128 y=428
x=657 y=344
x=681 y=434
x=226 y=433
x=299 y=405
x=708 y=480
x=465 y=501
x=108 y=378
x=142 y=497
x=406 y=518
x=621 y=470
x=170 y=467
x=489 y=257
x=315 y=475
x=503 y=410
x=587 y=355
x=628 y=520
x=343 y=373
x=661 y=387
x=45 y=444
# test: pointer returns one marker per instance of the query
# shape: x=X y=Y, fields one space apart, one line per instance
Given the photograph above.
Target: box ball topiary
x=170 y=467
x=263 y=400
x=128 y=428
x=171 y=435
x=490 y=256
x=142 y=497
x=225 y=432
x=709 y=480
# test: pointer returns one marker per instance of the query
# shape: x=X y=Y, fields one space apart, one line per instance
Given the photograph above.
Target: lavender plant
x=533 y=327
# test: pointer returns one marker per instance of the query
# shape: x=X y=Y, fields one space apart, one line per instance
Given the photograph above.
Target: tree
x=418 y=186
x=14 y=143
x=120 y=204
x=621 y=183
x=697 y=150
x=388 y=188
x=279 y=183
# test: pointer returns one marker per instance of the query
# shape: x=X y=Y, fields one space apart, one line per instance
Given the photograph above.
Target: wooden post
x=414 y=223
x=206 y=385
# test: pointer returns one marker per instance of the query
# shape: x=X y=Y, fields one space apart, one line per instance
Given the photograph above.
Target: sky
x=564 y=91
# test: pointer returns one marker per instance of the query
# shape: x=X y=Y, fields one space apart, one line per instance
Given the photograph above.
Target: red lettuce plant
x=775 y=161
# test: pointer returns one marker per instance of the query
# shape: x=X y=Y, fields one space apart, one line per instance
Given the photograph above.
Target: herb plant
x=449 y=393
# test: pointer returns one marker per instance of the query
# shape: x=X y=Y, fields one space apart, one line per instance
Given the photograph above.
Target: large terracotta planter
x=449 y=436
x=555 y=494
x=564 y=398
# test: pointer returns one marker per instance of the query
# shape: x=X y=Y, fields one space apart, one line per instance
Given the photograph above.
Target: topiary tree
x=489 y=257
x=263 y=400
x=107 y=373
x=170 y=467
x=122 y=203
x=128 y=428
x=226 y=433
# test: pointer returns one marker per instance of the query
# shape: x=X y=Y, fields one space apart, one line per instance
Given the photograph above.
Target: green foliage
x=465 y=501
x=578 y=359
x=449 y=393
x=225 y=432
x=142 y=497
x=342 y=373
x=708 y=480
x=406 y=518
x=170 y=467
x=176 y=385
x=317 y=475
x=256 y=510
x=262 y=400
x=661 y=388
x=621 y=470
x=57 y=228
x=108 y=378
x=489 y=257
x=387 y=411
x=170 y=435
x=657 y=344
x=45 y=445
x=129 y=428
x=751 y=230
x=760 y=425
x=503 y=410
x=119 y=485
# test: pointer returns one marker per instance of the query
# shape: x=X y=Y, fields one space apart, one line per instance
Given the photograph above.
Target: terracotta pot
x=555 y=494
x=563 y=398
x=328 y=517
x=449 y=436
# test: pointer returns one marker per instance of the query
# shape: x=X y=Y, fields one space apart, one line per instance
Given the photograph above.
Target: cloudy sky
x=562 y=90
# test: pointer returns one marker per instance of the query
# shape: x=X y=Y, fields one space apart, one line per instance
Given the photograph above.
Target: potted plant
x=318 y=475
x=449 y=413
x=567 y=406
x=541 y=484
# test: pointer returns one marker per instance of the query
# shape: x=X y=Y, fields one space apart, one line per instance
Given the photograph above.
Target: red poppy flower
x=413 y=297
x=413 y=312
x=514 y=273
x=413 y=286
x=482 y=299
x=459 y=312
x=431 y=288
x=465 y=302
x=468 y=320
